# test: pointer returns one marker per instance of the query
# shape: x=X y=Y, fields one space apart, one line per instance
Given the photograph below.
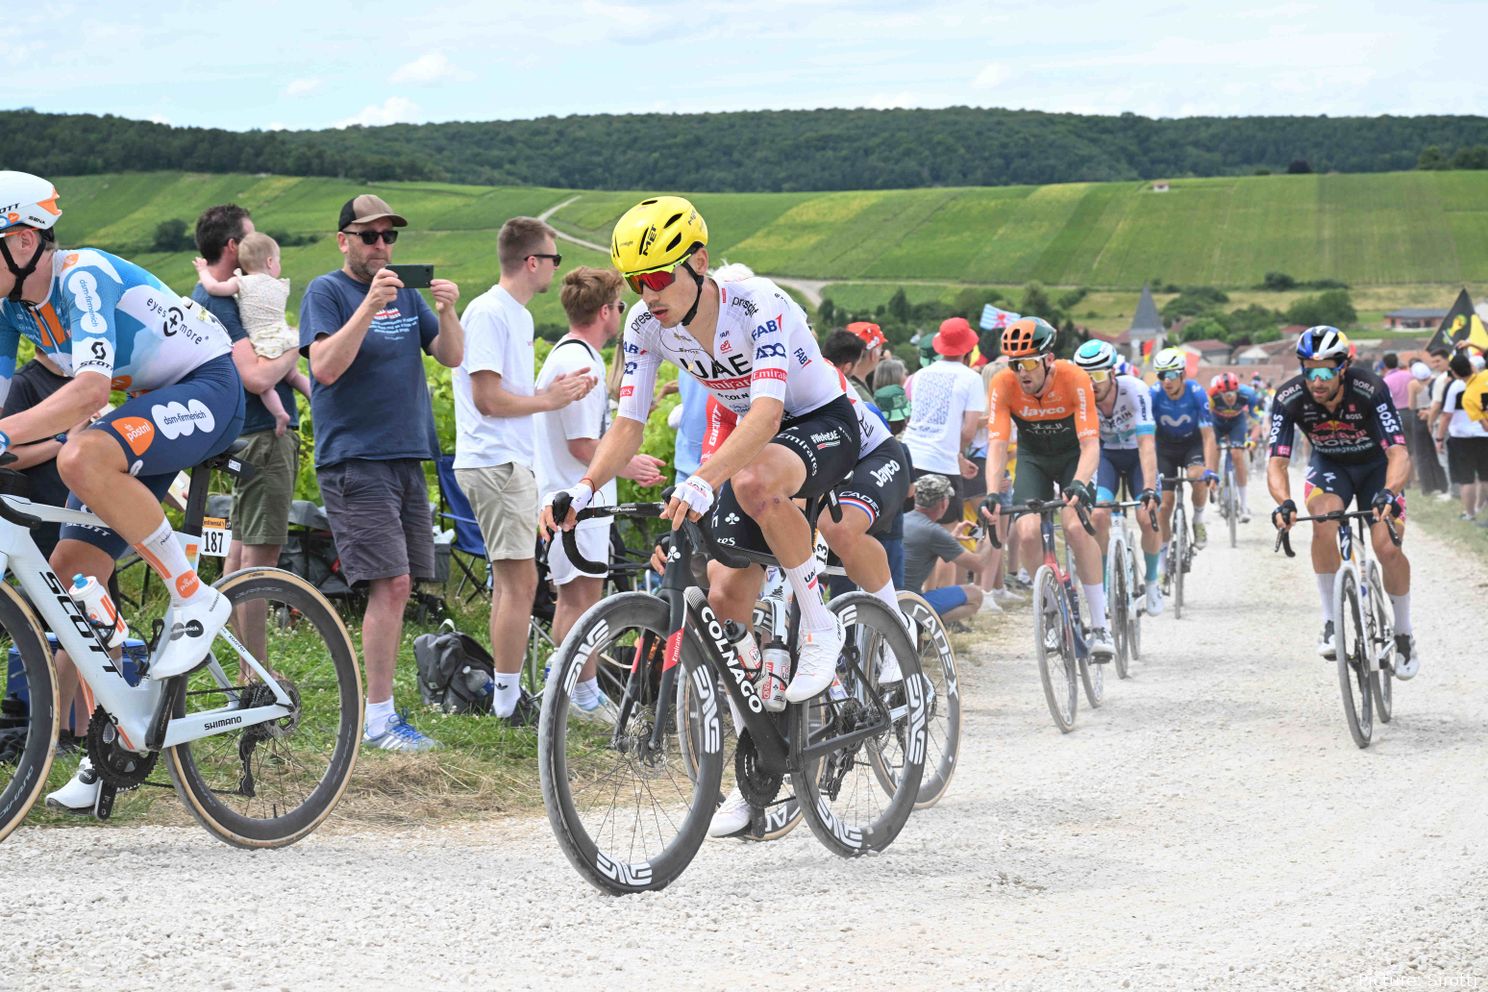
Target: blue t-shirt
x=379 y=408
x=255 y=417
x=1180 y=419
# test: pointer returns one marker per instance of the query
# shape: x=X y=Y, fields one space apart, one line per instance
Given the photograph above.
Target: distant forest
x=764 y=151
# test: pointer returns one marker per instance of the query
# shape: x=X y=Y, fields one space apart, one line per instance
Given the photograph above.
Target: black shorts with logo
x=1175 y=456
x=826 y=440
x=878 y=486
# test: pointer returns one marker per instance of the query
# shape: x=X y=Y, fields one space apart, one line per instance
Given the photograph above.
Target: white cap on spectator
x=1420 y=371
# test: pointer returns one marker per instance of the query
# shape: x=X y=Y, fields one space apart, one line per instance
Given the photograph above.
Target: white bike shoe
x=1102 y=647
x=193 y=628
x=1327 y=645
x=1407 y=658
x=732 y=817
x=1154 y=598
x=816 y=665
x=80 y=793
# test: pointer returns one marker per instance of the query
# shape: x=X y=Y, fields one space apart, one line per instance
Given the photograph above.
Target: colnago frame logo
x=180 y=420
x=725 y=648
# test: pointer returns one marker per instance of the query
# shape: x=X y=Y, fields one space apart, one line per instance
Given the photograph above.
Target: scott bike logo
x=769 y=351
x=177 y=420
x=79 y=622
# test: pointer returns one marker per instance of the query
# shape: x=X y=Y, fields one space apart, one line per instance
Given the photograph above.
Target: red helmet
x=1225 y=382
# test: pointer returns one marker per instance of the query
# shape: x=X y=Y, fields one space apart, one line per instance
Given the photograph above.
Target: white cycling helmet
x=1095 y=355
x=1323 y=342
x=1170 y=360
x=26 y=201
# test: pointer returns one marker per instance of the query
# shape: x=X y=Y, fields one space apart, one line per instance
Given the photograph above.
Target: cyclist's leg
x=1393 y=563
x=877 y=488
x=734 y=584
x=1327 y=487
x=148 y=438
x=1088 y=553
x=1033 y=481
x=1239 y=457
x=1167 y=467
x=1107 y=484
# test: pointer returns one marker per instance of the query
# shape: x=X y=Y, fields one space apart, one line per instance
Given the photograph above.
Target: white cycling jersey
x=762 y=347
x=1130 y=418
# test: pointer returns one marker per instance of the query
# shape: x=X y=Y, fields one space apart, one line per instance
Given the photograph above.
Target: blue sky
x=274 y=64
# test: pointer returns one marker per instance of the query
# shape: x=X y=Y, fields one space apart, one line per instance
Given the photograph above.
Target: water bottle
x=93 y=599
x=744 y=643
x=480 y=686
x=775 y=677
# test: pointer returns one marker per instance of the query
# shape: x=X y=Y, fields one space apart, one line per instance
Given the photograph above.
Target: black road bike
x=630 y=803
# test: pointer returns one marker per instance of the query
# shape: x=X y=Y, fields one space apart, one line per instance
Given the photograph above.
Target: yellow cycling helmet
x=656 y=234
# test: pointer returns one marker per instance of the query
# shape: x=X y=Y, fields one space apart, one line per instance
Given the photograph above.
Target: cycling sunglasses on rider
x=1322 y=373
x=656 y=280
x=1170 y=375
x=1026 y=364
x=1099 y=375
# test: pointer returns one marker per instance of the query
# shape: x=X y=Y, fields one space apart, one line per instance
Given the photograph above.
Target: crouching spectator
x=926 y=542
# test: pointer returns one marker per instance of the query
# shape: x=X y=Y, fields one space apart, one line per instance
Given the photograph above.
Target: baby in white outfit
x=262 y=299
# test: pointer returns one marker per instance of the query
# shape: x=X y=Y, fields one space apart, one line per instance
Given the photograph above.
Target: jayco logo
x=881 y=476
x=180 y=420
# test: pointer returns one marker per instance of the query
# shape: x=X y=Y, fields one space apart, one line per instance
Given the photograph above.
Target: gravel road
x=1213 y=826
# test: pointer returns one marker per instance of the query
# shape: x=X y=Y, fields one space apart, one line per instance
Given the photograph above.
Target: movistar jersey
x=106 y=315
x=1180 y=419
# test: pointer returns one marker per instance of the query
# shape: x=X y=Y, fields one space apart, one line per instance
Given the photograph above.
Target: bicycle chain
x=756 y=785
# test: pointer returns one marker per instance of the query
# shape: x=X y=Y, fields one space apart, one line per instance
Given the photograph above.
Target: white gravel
x=1213 y=826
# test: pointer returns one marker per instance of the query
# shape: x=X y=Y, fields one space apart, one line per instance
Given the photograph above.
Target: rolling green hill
x=1380 y=230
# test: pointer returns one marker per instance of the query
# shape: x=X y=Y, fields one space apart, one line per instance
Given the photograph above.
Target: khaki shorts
x=504 y=498
x=260 y=513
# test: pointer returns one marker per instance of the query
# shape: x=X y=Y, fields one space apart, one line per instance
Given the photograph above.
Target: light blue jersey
x=106 y=315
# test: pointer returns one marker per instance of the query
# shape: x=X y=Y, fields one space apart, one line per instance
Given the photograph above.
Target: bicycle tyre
x=1055 y=661
x=27 y=759
x=1136 y=578
x=1232 y=507
x=1121 y=607
x=190 y=764
x=1384 y=629
x=1353 y=664
x=602 y=628
x=1180 y=545
x=821 y=782
x=943 y=700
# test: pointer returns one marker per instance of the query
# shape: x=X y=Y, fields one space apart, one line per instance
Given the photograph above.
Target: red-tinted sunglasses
x=654 y=281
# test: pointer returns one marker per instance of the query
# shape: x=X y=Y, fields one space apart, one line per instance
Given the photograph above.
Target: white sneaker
x=1006 y=597
x=80 y=794
x=194 y=626
x=817 y=662
x=989 y=605
x=1327 y=645
x=1407 y=658
x=1102 y=647
x=1245 y=515
x=732 y=817
x=1154 y=599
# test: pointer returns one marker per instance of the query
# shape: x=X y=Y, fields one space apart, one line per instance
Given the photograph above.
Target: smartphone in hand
x=414 y=276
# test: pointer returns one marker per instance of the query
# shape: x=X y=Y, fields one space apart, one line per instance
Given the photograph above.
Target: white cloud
x=302 y=87
x=431 y=67
x=393 y=110
x=159 y=119
x=992 y=75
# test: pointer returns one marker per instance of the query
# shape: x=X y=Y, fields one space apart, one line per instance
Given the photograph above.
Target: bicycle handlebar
x=1042 y=506
x=1127 y=504
x=563 y=501
x=1284 y=541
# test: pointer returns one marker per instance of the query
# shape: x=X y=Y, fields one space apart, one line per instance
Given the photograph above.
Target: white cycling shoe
x=80 y=794
x=732 y=817
x=816 y=665
x=1407 y=658
x=1154 y=598
x=1102 y=647
x=194 y=625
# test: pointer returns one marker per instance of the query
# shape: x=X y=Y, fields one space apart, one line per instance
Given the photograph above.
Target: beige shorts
x=504 y=498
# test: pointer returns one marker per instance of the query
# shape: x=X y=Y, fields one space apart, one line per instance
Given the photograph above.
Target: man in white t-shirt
x=494 y=404
x=566 y=439
x=950 y=404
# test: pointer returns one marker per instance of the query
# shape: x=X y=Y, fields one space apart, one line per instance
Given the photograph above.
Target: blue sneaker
x=399 y=735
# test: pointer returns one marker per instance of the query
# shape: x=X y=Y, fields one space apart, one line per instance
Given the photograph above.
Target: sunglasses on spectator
x=557 y=259
x=1100 y=375
x=1320 y=374
x=1170 y=375
x=654 y=281
x=1026 y=364
x=370 y=237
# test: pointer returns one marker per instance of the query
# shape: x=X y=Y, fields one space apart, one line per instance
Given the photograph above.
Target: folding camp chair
x=469 y=546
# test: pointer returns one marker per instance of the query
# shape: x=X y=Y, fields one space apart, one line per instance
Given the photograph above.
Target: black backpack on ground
x=454 y=672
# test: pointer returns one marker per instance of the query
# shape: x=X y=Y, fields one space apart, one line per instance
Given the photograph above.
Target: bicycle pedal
x=103 y=806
